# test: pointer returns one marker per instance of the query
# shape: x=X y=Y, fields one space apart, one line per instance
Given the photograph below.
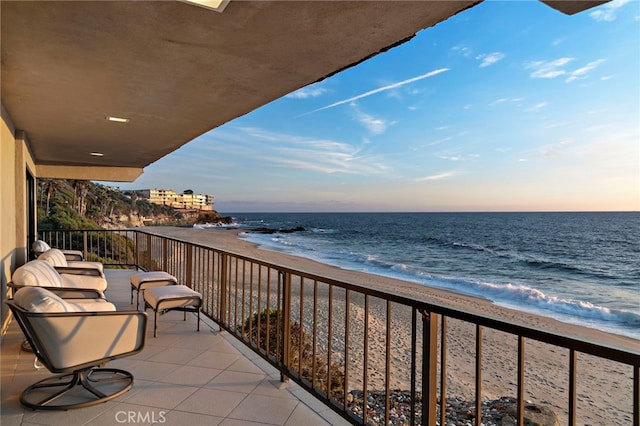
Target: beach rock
x=534 y=415
x=498 y=412
x=281 y=231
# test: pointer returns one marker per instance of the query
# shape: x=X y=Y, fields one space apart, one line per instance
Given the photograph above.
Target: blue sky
x=509 y=106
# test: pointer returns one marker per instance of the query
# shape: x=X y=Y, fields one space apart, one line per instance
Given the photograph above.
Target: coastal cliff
x=79 y=204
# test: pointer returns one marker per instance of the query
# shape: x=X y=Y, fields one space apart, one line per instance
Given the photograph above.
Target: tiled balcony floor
x=182 y=377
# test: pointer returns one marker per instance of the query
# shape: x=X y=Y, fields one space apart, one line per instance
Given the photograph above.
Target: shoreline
x=600 y=398
x=229 y=240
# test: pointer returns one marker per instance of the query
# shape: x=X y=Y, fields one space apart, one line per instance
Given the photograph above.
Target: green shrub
x=300 y=350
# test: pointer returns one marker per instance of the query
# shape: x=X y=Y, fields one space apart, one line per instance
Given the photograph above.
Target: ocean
x=580 y=268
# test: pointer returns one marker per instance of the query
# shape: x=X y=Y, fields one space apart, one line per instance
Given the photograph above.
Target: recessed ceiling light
x=97 y=154
x=117 y=119
x=217 y=5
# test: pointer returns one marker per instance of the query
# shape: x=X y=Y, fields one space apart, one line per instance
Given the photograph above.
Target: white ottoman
x=144 y=280
x=172 y=298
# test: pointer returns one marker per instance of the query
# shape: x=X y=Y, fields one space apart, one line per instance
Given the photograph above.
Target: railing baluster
x=315 y=334
x=300 y=332
x=636 y=395
x=414 y=349
x=365 y=359
x=573 y=359
x=478 y=419
x=520 y=410
x=147 y=265
x=280 y=302
x=429 y=367
x=259 y=307
x=387 y=365
x=251 y=303
x=223 y=289
x=345 y=387
x=286 y=323
x=84 y=245
x=329 y=341
x=268 y=302
x=235 y=308
x=443 y=370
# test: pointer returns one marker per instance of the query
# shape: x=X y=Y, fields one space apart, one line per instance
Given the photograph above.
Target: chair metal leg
x=89 y=380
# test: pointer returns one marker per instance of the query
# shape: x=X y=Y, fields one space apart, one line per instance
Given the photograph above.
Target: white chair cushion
x=55 y=257
x=38 y=299
x=172 y=296
x=37 y=273
x=85 y=264
x=40 y=246
x=160 y=278
x=83 y=281
x=91 y=305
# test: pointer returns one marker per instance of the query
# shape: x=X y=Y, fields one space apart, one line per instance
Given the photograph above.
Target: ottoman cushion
x=174 y=296
x=153 y=279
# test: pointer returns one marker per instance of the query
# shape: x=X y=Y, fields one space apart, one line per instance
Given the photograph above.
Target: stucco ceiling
x=177 y=70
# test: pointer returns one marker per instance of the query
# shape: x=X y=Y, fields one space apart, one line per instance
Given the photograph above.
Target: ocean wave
x=476 y=247
x=517 y=296
x=324 y=231
x=536 y=301
x=216 y=225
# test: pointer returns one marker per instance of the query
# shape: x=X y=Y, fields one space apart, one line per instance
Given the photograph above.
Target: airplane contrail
x=382 y=89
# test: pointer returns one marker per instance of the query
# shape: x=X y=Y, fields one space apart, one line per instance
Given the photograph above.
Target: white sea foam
x=516 y=296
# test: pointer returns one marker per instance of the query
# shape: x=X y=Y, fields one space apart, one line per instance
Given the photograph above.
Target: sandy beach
x=604 y=388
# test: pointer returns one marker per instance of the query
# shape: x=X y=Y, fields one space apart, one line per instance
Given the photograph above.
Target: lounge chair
x=73 y=342
x=58 y=260
x=40 y=273
x=38 y=247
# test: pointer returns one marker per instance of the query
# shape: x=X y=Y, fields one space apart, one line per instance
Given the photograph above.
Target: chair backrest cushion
x=55 y=257
x=37 y=273
x=40 y=246
x=38 y=299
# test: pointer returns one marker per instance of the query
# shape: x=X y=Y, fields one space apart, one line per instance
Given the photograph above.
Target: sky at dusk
x=508 y=106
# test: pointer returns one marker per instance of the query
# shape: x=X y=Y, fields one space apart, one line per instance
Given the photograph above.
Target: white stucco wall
x=15 y=159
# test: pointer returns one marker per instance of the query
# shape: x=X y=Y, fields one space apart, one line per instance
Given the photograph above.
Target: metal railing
x=346 y=343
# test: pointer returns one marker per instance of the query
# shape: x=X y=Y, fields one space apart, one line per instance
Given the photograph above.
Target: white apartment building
x=186 y=200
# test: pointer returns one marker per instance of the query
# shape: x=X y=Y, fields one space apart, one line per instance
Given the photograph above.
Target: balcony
x=181 y=377
x=343 y=346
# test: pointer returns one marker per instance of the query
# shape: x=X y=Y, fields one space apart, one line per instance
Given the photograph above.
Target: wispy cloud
x=439 y=141
x=439 y=176
x=498 y=101
x=450 y=157
x=549 y=151
x=490 y=58
x=383 y=89
x=608 y=12
x=463 y=50
x=581 y=72
x=548 y=69
x=307 y=92
x=375 y=125
x=503 y=100
x=538 y=106
x=246 y=145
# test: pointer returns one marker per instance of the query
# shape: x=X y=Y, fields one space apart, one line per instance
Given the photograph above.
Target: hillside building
x=168 y=197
